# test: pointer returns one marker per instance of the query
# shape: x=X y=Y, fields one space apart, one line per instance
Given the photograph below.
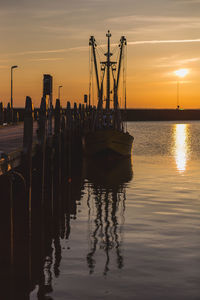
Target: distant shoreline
x=161 y=114
x=154 y=114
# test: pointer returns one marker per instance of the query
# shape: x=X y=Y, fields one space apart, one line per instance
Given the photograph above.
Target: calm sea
x=135 y=231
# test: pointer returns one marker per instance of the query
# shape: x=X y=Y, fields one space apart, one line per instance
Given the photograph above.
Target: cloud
x=45 y=14
x=164 y=42
x=188 y=60
x=188 y=1
x=156 y=24
x=175 y=61
x=53 y=51
x=48 y=59
x=152 y=19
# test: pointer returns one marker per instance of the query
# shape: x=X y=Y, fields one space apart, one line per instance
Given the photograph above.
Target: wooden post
x=35 y=114
x=27 y=151
x=8 y=114
x=57 y=118
x=75 y=117
x=28 y=126
x=14 y=118
x=1 y=114
x=80 y=115
x=41 y=132
x=17 y=116
x=69 y=116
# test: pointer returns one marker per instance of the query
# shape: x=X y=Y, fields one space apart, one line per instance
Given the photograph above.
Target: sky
x=51 y=37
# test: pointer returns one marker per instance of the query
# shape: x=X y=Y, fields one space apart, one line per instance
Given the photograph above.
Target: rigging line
x=103 y=51
x=99 y=60
x=125 y=87
x=91 y=79
x=98 y=55
x=115 y=49
x=92 y=87
x=89 y=74
x=123 y=84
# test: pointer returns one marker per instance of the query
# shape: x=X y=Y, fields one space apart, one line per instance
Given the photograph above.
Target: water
x=131 y=228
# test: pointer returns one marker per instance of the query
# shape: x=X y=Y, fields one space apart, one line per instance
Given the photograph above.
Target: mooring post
x=35 y=115
x=83 y=118
x=14 y=116
x=1 y=114
x=57 y=115
x=68 y=115
x=80 y=116
x=8 y=113
x=27 y=161
x=41 y=132
x=75 y=117
x=50 y=115
x=28 y=126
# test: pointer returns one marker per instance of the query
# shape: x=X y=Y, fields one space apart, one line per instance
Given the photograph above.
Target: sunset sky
x=51 y=36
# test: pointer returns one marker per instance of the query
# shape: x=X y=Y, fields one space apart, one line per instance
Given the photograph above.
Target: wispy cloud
x=188 y=60
x=144 y=24
x=174 y=61
x=35 y=52
x=163 y=42
x=45 y=14
x=188 y=1
x=48 y=59
x=85 y=48
x=151 y=19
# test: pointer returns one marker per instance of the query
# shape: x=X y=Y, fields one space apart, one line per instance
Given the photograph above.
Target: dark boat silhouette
x=108 y=133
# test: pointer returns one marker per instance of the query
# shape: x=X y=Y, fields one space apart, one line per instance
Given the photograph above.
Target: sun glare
x=181 y=73
x=181 y=146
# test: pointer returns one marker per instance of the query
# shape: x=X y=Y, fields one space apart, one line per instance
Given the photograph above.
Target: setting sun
x=182 y=72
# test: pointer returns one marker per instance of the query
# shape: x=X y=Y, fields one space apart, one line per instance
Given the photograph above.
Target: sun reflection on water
x=181 y=146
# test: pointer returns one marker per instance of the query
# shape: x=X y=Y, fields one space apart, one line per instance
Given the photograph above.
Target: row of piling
x=68 y=123
x=39 y=195
x=74 y=113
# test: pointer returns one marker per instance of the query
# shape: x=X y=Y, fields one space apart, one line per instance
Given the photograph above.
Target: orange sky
x=51 y=36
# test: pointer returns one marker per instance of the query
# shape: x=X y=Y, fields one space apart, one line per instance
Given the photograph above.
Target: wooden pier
x=32 y=129
x=40 y=184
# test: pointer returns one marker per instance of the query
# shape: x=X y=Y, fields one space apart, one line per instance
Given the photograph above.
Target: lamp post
x=178 y=106
x=180 y=73
x=60 y=86
x=11 y=97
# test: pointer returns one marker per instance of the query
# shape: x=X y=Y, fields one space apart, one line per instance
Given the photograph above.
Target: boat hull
x=107 y=140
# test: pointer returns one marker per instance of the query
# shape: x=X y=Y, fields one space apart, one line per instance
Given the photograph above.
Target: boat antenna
x=108 y=54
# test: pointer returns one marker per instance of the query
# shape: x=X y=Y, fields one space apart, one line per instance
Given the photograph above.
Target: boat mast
x=122 y=43
x=108 y=54
x=92 y=43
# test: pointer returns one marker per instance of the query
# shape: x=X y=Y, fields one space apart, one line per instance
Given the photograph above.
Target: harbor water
x=132 y=229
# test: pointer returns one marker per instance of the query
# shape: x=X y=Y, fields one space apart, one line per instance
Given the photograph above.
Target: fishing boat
x=108 y=133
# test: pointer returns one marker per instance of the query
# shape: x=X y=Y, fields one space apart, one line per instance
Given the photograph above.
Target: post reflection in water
x=106 y=206
x=30 y=259
x=37 y=254
x=181 y=146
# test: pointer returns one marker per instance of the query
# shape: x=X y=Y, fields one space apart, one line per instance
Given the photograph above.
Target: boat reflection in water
x=181 y=146
x=106 y=206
